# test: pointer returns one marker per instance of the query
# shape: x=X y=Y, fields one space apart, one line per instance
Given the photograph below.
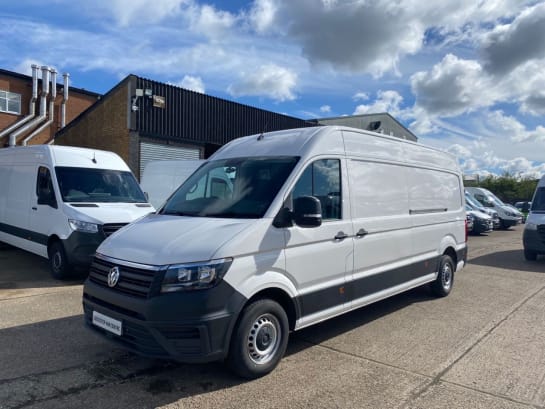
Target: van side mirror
x=307 y=211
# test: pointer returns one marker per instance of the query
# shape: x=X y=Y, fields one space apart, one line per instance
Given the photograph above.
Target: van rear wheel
x=442 y=285
x=58 y=263
x=259 y=340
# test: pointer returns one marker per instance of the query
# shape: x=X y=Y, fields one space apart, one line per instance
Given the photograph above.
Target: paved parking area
x=481 y=347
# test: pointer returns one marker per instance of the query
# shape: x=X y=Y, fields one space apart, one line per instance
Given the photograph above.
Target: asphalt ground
x=481 y=347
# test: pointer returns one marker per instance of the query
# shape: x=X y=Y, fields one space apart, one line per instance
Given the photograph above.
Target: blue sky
x=466 y=77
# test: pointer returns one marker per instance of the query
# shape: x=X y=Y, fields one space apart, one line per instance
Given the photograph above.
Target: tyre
x=58 y=263
x=442 y=285
x=530 y=255
x=259 y=339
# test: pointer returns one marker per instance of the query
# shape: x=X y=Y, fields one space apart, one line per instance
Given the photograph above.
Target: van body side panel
x=379 y=207
x=436 y=208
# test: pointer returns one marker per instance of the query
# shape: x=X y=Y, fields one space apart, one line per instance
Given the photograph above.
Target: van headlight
x=86 y=227
x=194 y=276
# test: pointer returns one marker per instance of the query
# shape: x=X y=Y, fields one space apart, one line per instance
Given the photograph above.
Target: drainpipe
x=51 y=108
x=66 y=77
x=32 y=107
x=41 y=117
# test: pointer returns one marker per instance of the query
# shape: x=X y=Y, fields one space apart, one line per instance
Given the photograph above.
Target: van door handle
x=341 y=235
x=34 y=208
x=362 y=233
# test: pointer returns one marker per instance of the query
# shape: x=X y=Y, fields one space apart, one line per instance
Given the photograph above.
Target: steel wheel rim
x=57 y=261
x=263 y=340
x=446 y=276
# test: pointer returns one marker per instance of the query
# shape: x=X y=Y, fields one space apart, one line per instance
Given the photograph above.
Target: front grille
x=111 y=228
x=133 y=281
x=541 y=231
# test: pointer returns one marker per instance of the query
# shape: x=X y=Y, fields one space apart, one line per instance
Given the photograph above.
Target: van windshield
x=538 y=203
x=98 y=186
x=231 y=188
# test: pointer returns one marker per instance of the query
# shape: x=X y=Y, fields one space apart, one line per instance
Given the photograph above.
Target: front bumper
x=534 y=240
x=192 y=326
x=80 y=247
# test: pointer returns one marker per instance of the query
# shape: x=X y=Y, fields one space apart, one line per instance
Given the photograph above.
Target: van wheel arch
x=281 y=297
x=452 y=254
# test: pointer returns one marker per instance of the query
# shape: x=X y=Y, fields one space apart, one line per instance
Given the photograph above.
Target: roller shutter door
x=156 y=151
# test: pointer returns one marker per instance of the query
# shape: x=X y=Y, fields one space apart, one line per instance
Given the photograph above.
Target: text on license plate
x=107 y=323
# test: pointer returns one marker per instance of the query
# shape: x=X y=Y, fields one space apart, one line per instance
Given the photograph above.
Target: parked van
x=316 y=222
x=60 y=202
x=161 y=178
x=508 y=217
x=533 y=238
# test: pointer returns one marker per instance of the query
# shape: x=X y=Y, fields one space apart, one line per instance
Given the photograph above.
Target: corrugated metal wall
x=189 y=116
x=155 y=151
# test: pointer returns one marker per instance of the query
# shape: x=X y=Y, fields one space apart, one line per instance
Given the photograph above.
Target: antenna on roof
x=94 y=159
x=262 y=135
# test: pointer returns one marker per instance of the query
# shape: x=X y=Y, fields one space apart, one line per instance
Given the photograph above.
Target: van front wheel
x=442 y=285
x=259 y=339
x=58 y=263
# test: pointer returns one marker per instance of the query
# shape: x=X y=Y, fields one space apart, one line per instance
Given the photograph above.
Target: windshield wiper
x=175 y=213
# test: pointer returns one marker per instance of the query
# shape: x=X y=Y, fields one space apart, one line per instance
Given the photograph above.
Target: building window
x=10 y=102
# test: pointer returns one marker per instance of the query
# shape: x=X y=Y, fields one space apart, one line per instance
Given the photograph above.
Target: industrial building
x=33 y=108
x=381 y=122
x=143 y=120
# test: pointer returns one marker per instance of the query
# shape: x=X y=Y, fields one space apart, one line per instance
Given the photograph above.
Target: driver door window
x=322 y=179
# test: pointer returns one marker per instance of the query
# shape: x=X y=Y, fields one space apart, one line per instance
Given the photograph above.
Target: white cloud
x=511 y=128
x=262 y=15
x=510 y=45
x=360 y=96
x=141 y=12
x=387 y=101
x=453 y=86
x=272 y=80
x=325 y=109
x=193 y=83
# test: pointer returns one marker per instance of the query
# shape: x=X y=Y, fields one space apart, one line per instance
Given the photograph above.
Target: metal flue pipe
x=66 y=77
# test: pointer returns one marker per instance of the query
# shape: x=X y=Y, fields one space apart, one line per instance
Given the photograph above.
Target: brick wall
x=104 y=126
x=77 y=103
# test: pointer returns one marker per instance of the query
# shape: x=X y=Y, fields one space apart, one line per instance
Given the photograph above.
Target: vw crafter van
x=533 y=237
x=313 y=223
x=60 y=202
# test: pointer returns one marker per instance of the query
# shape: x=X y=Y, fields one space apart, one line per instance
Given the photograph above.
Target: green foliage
x=508 y=188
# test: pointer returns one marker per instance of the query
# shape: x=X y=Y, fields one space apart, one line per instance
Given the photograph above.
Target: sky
x=467 y=76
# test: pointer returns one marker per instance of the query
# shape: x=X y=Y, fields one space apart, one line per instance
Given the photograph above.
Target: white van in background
x=533 y=237
x=61 y=202
x=304 y=225
x=161 y=177
x=508 y=217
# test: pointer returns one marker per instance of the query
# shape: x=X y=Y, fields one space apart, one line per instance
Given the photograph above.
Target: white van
x=161 y=178
x=508 y=217
x=533 y=237
x=316 y=222
x=60 y=202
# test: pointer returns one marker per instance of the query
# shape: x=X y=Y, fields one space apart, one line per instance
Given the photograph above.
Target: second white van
x=533 y=237
x=304 y=225
x=162 y=177
x=61 y=202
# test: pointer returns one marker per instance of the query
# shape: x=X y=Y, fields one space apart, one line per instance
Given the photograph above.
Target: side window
x=322 y=179
x=44 y=188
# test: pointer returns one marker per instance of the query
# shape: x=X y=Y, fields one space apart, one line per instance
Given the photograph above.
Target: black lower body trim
x=353 y=290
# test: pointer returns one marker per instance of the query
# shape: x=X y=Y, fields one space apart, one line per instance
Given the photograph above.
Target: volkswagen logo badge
x=113 y=276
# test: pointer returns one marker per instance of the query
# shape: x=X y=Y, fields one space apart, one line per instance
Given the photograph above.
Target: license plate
x=107 y=323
